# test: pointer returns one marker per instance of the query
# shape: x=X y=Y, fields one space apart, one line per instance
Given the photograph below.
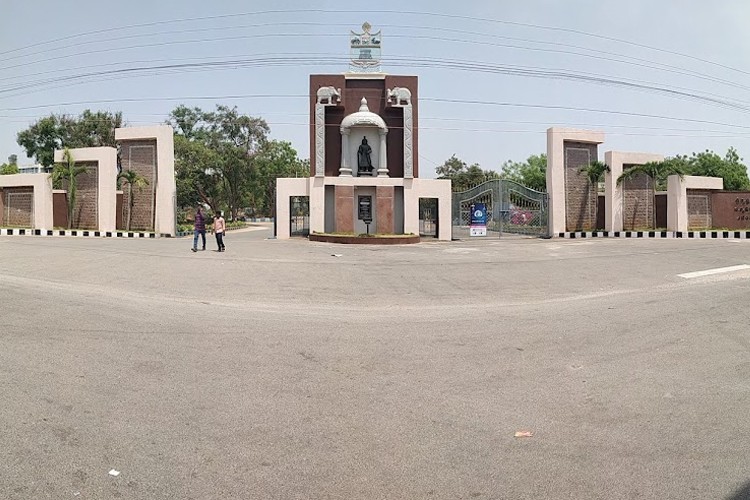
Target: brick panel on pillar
x=699 y=209
x=2 y=208
x=384 y=196
x=18 y=207
x=344 y=209
x=637 y=202
x=580 y=194
x=85 y=211
x=140 y=156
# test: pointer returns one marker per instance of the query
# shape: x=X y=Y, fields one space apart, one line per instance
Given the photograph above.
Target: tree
x=594 y=171
x=464 y=177
x=730 y=168
x=133 y=180
x=8 y=169
x=275 y=159
x=214 y=154
x=11 y=167
x=89 y=129
x=657 y=171
x=64 y=175
x=532 y=173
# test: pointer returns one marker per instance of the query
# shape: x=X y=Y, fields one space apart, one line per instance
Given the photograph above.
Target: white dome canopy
x=363 y=118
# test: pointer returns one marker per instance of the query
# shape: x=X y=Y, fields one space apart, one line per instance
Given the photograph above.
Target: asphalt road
x=298 y=370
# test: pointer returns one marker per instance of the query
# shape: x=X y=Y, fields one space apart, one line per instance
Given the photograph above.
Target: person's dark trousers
x=220 y=241
x=202 y=232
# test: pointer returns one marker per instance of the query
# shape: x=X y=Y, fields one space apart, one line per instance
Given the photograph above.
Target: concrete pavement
x=278 y=370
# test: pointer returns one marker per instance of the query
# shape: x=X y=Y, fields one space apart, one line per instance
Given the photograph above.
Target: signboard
x=365 y=209
x=365 y=50
x=478 y=225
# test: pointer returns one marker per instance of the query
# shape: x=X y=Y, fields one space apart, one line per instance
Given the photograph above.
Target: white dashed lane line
x=718 y=270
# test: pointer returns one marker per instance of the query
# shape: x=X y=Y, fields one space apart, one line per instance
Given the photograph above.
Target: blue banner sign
x=478 y=225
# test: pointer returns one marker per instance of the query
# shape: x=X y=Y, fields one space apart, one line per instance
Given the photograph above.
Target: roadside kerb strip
x=78 y=233
x=718 y=235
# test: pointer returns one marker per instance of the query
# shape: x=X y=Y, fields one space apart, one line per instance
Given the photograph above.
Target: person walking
x=199 y=229
x=220 y=228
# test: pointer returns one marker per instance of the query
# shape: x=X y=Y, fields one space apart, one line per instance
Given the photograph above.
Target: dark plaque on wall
x=365 y=209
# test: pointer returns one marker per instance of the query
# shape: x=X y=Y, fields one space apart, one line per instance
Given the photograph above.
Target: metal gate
x=511 y=208
x=428 y=217
x=299 y=216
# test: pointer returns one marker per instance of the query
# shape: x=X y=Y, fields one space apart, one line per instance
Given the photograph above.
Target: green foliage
x=223 y=158
x=462 y=176
x=657 y=171
x=64 y=175
x=8 y=169
x=276 y=159
x=134 y=180
x=730 y=168
x=89 y=129
x=531 y=173
x=595 y=171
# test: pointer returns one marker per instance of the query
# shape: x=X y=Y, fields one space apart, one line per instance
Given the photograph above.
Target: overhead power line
x=387 y=13
x=229 y=97
x=396 y=61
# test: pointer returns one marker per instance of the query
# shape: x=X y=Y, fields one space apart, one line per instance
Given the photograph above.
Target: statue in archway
x=364 y=162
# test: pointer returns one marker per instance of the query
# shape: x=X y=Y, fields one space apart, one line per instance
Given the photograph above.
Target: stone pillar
x=613 y=193
x=384 y=199
x=317 y=205
x=677 y=206
x=408 y=142
x=383 y=160
x=556 y=171
x=165 y=203
x=344 y=209
x=106 y=183
x=320 y=140
x=345 y=170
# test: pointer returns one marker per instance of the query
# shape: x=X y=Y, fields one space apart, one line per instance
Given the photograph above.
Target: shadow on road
x=741 y=494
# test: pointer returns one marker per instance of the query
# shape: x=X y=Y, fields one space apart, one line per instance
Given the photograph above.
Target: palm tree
x=67 y=172
x=594 y=172
x=133 y=179
x=657 y=171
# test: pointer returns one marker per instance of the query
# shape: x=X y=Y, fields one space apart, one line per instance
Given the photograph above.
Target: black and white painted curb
x=711 y=235
x=79 y=233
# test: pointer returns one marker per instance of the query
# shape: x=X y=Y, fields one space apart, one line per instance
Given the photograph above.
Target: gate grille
x=299 y=216
x=428 y=217
x=511 y=208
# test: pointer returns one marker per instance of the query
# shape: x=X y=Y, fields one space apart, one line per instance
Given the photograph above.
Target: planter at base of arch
x=351 y=239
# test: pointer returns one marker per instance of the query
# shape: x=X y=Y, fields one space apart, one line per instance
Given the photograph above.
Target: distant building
x=32 y=169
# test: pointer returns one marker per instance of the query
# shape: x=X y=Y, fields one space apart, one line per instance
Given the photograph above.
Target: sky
x=660 y=77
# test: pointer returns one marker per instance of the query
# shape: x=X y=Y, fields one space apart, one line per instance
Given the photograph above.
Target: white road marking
x=718 y=270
